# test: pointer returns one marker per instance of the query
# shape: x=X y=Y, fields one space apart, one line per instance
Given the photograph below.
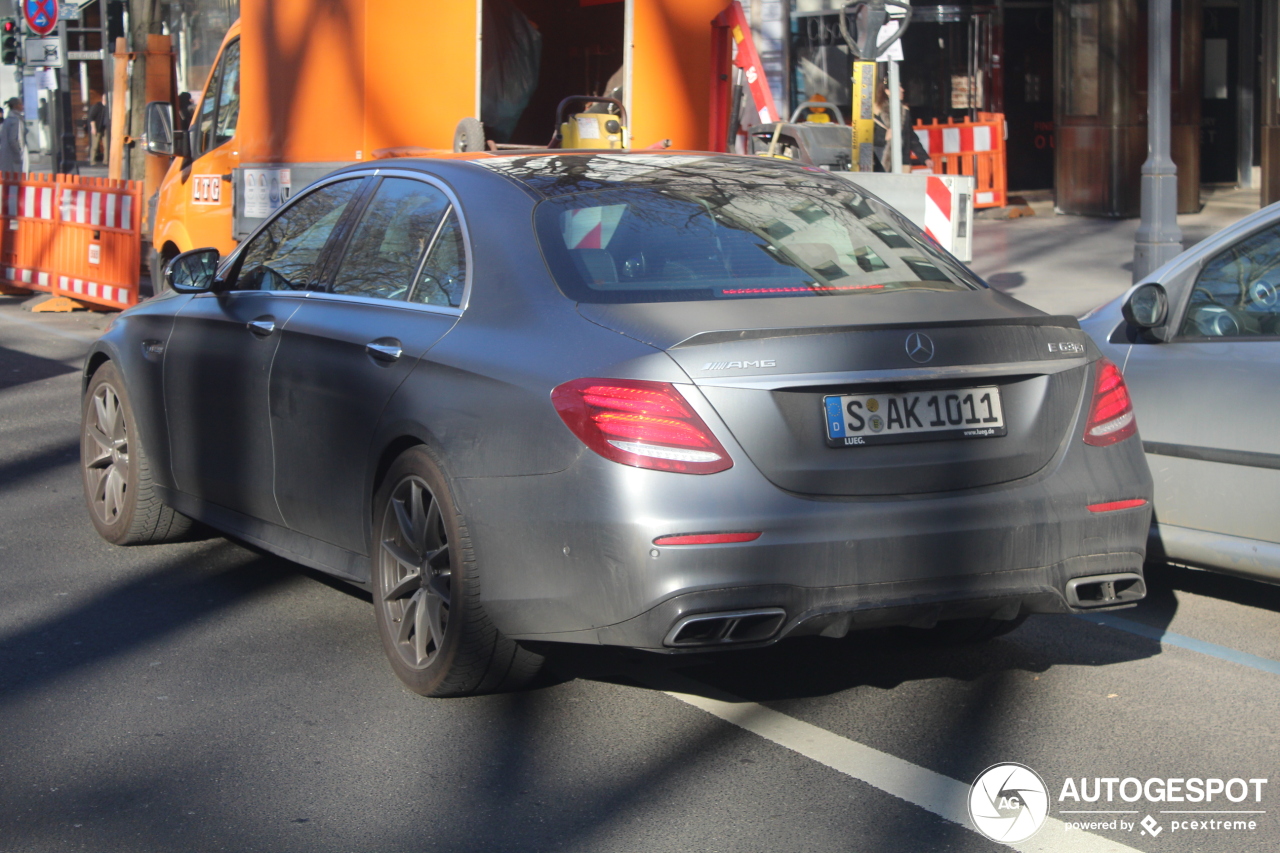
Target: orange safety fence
x=71 y=236
x=974 y=148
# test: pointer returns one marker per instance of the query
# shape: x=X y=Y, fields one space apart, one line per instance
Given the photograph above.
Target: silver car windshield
x=704 y=242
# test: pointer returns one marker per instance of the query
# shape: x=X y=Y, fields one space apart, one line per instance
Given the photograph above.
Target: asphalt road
x=205 y=697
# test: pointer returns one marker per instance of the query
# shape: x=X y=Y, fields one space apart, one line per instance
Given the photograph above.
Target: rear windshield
x=705 y=242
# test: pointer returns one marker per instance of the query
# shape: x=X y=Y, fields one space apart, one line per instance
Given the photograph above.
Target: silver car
x=673 y=402
x=1199 y=343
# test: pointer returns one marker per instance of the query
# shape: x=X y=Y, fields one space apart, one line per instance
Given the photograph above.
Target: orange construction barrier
x=71 y=236
x=973 y=148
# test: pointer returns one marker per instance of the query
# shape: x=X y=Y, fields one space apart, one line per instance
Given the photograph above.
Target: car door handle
x=262 y=326
x=384 y=349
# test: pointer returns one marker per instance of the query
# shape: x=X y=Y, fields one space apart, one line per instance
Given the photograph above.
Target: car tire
x=979 y=630
x=123 y=504
x=426 y=590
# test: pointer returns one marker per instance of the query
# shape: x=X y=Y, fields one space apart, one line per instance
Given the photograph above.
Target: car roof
x=561 y=172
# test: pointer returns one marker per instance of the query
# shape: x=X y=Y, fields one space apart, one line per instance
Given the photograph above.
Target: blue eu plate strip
x=835 y=417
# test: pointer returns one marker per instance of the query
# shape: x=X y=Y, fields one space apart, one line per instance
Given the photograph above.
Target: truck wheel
x=426 y=590
x=469 y=136
x=123 y=505
x=158 y=262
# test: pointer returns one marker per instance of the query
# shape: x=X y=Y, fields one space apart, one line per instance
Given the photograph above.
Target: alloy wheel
x=415 y=572
x=107 y=455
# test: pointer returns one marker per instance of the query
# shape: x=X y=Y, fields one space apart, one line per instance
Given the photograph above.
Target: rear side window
x=444 y=275
x=732 y=241
x=394 y=232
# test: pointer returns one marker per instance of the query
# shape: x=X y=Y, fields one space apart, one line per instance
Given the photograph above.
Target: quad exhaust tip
x=716 y=629
x=1106 y=590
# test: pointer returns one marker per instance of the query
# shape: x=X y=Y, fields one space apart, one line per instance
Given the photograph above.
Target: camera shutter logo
x=1008 y=802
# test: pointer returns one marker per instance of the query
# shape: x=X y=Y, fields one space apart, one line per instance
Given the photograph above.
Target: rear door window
x=712 y=241
x=395 y=230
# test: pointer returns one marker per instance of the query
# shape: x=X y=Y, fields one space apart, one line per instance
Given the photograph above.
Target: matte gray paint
x=564 y=536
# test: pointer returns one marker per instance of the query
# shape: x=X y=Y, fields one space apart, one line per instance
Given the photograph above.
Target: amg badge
x=739 y=365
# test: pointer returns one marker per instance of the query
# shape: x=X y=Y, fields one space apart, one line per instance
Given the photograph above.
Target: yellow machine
x=592 y=129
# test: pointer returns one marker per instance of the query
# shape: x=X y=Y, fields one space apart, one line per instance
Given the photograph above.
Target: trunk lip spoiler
x=1060 y=321
x=774 y=382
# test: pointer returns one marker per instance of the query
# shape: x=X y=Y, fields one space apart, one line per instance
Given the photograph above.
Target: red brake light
x=640 y=423
x=1112 y=506
x=706 y=538
x=1111 y=413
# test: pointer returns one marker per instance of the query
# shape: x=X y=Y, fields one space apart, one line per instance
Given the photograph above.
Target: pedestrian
x=184 y=111
x=913 y=151
x=13 y=138
x=46 y=137
x=99 y=127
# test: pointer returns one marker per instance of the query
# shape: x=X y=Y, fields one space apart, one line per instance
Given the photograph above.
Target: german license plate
x=858 y=419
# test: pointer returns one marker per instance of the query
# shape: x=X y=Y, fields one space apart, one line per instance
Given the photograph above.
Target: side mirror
x=159 y=128
x=192 y=272
x=1147 y=306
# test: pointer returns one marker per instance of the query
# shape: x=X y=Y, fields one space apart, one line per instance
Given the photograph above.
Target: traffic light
x=8 y=42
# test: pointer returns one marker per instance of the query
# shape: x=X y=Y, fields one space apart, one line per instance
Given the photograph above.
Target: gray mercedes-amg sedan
x=667 y=401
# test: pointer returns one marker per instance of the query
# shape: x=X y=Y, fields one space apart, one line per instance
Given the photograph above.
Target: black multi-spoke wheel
x=414 y=563
x=426 y=590
x=117 y=478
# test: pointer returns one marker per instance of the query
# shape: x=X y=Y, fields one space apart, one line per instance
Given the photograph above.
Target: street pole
x=64 y=156
x=895 y=117
x=1159 y=238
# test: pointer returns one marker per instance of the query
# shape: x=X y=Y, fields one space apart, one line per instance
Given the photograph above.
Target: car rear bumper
x=570 y=556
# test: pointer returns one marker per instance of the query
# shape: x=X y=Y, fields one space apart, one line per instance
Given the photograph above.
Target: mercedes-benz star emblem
x=919 y=347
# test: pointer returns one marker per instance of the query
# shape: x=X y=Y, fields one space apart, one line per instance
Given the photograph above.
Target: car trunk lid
x=767 y=380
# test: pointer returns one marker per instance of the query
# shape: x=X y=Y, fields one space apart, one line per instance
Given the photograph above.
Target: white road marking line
x=931 y=791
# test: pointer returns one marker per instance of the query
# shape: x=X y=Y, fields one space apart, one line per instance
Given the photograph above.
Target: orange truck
x=300 y=88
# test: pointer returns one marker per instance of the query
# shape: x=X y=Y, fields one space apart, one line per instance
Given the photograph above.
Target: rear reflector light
x=1111 y=412
x=640 y=423
x=706 y=538
x=1112 y=506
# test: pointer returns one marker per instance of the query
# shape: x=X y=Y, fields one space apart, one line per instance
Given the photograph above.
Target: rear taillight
x=1111 y=412
x=645 y=424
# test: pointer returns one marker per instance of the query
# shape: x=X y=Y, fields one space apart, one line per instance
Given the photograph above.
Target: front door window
x=220 y=106
x=287 y=254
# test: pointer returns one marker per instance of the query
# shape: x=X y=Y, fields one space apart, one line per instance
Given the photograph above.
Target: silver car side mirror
x=192 y=272
x=1147 y=306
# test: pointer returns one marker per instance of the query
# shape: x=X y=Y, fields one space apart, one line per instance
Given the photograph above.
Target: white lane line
x=44 y=327
x=931 y=791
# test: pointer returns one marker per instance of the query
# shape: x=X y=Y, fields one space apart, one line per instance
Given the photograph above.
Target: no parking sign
x=41 y=15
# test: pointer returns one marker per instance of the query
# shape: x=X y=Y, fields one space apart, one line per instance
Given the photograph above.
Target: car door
x=397 y=289
x=1206 y=399
x=218 y=360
